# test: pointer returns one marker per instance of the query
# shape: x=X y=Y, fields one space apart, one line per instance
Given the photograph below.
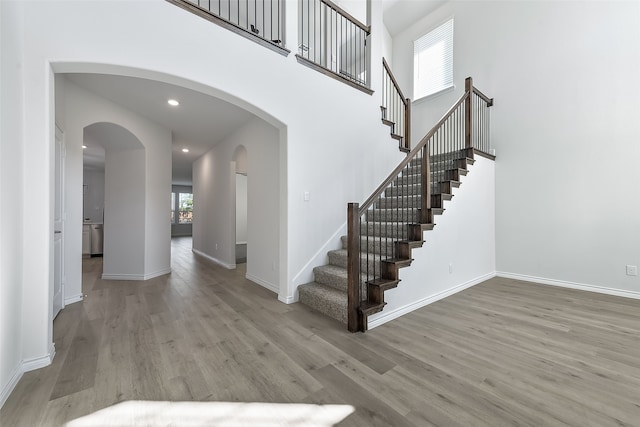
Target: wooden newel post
x=468 y=88
x=425 y=213
x=407 y=124
x=353 y=267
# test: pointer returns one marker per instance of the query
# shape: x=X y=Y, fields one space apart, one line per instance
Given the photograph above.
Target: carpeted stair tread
x=325 y=299
x=331 y=275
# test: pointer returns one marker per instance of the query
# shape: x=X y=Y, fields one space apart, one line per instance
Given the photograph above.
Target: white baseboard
x=389 y=316
x=263 y=283
x=571 y=285
x=134 y=277
x=73 y=299
x=123 y=277
x=39 y=362
x=287 y=300
x=157 y=273
x=26 y=366
x=13 y=382
x=214 y=260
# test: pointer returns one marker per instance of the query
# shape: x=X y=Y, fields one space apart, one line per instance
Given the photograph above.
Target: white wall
x=463 y=238
x=124 y=216
x=93 y=202
x=214 y=192
x=564 y=122
x=11 y=223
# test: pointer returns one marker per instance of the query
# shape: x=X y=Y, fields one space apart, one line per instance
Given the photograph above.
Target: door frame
x=59 y=219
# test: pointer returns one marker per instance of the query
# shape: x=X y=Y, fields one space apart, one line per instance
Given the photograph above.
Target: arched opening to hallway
x=85 y=99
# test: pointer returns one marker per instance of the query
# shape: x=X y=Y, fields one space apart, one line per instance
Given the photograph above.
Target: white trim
x=287 y=300
x=13 y=382
x=73 y=299
x=39 y=362
x=263 y=283
x=570 y=285
x=389 y=316
x=214 y=260
x=241 y=243
x=26 y=366
x=139 y=277
x=123 y=277
x=157 y=273
x=320 y=257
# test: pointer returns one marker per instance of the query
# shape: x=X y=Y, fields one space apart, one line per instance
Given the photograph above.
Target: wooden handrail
x=393 y=80
x=367 y=204
x=484 y=97
x=341 y=11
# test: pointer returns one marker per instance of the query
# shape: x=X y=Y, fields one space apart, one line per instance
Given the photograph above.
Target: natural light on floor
x=148 y=413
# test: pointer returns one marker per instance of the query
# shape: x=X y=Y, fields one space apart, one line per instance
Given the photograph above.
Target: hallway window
x=185 y=205
x=182 y=204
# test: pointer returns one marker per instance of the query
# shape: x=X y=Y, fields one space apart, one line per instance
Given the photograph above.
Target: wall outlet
x=632 y=270
x=216 y=246
x=450 y=267
x=307 y=196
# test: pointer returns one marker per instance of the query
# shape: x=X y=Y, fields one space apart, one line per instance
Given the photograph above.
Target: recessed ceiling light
x=173 y=102
x=185 y=150
x=84 y=146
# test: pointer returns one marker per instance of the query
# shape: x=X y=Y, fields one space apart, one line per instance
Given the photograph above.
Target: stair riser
x=437 y=201
x=373 y=244
x=341 y=261
x=332 y=309
x=437 y=167
x=394 y=215
x=403 y=190
x=454 y=155
x=440 y=176
x=333 y=280
x=399 y=202
x=390 y=229
x=415 y=190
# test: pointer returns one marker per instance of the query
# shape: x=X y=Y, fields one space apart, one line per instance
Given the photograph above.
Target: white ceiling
x=198 y=123
x=400 y=14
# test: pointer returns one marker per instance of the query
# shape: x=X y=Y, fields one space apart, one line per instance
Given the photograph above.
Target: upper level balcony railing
x=259 y=20
x=334 y=42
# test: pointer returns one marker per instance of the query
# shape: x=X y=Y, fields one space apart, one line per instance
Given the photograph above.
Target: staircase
x=383 y=232
x=392 y=217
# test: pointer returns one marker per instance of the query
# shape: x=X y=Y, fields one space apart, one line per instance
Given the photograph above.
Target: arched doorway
x=123 y=214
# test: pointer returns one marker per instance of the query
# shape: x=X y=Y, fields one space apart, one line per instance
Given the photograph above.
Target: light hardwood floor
x=499 y=354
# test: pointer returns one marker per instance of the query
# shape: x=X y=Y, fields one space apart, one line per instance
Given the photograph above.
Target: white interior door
x=58 y=227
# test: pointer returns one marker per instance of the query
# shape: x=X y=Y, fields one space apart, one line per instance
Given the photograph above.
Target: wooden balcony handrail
x=395 y=83
x=341 y=11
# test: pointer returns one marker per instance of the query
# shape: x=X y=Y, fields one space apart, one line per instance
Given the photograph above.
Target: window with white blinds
x=433 y=61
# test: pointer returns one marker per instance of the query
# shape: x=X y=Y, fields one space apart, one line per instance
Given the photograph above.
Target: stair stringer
x=464 y=237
